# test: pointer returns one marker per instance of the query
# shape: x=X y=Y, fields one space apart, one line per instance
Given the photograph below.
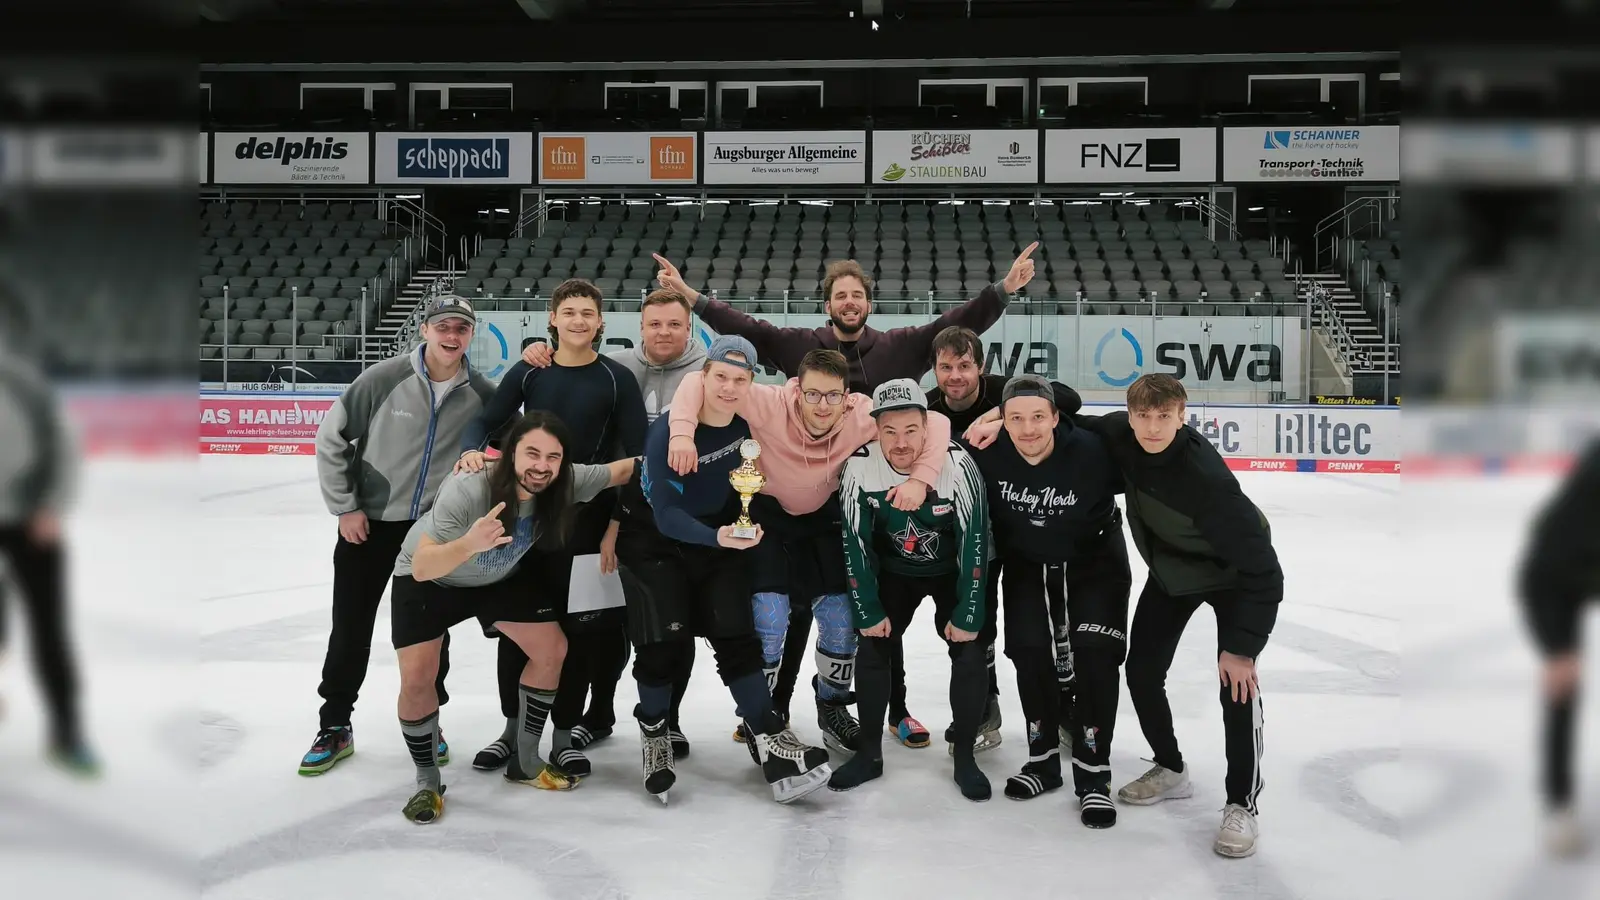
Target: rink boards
x=1251 y=438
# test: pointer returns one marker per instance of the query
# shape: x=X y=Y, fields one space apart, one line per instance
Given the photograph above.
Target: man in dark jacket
x=1205 y=543
x=1558 y=576
x=875 y=357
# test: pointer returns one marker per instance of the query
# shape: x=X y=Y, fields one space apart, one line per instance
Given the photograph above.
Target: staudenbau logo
x=454 y=158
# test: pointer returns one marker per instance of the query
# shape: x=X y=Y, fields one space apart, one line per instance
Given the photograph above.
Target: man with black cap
x=1052 y=499
x=895 y=558
x=384 y=449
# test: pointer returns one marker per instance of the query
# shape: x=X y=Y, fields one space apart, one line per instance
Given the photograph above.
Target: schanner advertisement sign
x=955 y=156
x=298 y=157
x=1130 y=156
x=786 y=157
x=618 y=158
x=455 y=158
x=1266 y=153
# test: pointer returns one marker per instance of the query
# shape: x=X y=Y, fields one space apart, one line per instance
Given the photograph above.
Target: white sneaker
x=1156 y=785
x=1237 y=836
x=1563 y=836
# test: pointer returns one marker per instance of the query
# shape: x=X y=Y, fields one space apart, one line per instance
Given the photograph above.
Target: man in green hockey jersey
x=894 y=559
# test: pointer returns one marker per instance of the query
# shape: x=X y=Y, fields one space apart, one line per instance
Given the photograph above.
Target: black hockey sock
x=536 y=703
x=422 y=740
x=973 y=783
x=1558 y=740
x=655 y=701
x=754 y=703
x=856 y=771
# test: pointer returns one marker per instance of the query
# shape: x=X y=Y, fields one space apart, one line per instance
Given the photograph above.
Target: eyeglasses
x=834 y=397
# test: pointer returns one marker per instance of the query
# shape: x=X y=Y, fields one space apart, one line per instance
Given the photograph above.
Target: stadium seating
x=1377 y=266
x=282 y=281
x=924 y=257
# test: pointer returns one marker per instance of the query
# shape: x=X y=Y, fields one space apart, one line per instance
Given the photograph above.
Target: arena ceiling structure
x=532 y=32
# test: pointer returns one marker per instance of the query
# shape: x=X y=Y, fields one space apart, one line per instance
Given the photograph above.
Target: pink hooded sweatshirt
x=802 y=471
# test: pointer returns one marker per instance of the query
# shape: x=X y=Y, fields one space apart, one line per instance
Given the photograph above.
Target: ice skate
x=680 y=744
x=1237 y=836
x=656 y=741
x=1156 y=785
x=793 y=768
x=988 y=730
x=840 y=730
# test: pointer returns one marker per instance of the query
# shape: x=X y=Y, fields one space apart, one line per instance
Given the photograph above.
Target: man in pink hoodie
x=807 y=428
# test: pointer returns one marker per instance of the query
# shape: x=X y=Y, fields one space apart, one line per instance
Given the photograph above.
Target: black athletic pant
x=897 y=654
x=1096 y=585
x=40 y=571
x=360 y=574
x=1560 y=717
x=1158 y=624
x=969 y=681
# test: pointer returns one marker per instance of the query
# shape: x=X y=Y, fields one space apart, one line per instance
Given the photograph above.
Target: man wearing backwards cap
x=1052 y=490
x=807 y=428
x=685 y=575
x=383 y=451
x=895 y=558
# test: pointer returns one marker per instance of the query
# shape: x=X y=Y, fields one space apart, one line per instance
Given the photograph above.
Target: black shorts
x=678 y=591
x=901 y=595
x=802 y=556
x=421 y=611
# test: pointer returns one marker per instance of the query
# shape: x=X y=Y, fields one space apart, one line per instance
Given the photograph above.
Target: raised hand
x=669 y=278
x=488 y=532
x=1021 y=271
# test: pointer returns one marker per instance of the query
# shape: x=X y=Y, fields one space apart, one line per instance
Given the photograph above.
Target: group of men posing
x=877 y=495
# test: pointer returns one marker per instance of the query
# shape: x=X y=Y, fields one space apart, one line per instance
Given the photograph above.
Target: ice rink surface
x=202 y=597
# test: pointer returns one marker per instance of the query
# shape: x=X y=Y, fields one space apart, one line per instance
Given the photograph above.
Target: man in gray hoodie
x=667 y=351
x=383 y=451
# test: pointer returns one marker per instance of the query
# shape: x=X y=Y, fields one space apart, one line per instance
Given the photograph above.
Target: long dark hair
x=553 y=506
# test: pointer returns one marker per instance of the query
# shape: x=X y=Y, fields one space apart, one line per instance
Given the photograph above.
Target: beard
x=848 y=329
x=529 y=482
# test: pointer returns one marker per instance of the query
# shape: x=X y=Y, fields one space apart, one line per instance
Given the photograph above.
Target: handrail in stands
x=1328 y=237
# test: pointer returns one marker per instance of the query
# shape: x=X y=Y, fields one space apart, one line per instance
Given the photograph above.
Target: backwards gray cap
x=1028 y=386
x=727 y=344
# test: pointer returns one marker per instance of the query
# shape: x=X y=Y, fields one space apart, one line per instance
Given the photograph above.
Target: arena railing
x=425 y=232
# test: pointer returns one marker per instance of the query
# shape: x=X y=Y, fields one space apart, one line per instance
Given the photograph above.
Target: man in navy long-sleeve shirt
x=684 y=576
x=598 y=399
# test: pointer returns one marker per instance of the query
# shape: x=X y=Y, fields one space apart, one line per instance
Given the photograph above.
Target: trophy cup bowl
x=748 y=481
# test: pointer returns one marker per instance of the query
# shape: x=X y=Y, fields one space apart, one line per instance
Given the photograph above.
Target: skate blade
x=1182 y=793
x=833 y=743
x=985 y=742
x=788 y=790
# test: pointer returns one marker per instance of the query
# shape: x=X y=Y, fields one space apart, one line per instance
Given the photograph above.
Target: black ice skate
x=657 y=754
x=794 y=769
x=840 y=730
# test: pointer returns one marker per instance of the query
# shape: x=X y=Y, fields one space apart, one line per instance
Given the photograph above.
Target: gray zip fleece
x=38 y=464
x=657 y=384
x=383 y=450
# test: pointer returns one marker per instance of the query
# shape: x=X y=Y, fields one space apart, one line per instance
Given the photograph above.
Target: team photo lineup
x=746 y=514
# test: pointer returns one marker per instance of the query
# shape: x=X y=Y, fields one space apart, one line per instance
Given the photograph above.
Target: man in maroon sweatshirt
x=875 y=357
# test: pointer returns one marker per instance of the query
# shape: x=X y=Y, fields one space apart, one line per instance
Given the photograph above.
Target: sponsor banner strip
x=258 y=448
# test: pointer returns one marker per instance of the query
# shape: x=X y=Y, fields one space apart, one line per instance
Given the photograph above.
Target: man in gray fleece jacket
x=37 y=474
x=383 y=451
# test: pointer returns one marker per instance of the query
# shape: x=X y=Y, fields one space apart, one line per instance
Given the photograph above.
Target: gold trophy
x=748 y=481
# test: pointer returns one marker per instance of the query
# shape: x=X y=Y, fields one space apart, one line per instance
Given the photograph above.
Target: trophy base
x=744 y=532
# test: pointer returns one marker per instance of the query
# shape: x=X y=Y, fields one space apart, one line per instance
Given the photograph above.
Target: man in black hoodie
x=1205 y=544
x=1557 y=577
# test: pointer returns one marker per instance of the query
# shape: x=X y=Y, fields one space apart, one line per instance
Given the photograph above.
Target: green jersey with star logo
x=948 y=535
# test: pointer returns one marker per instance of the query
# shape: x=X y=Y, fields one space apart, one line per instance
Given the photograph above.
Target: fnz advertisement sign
x=1130 y=156
x=455 y=158
x=1264 y=153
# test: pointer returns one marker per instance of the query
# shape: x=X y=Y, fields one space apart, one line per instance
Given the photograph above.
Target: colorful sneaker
x=331 y=745
x=910 y=732
x=444 y=749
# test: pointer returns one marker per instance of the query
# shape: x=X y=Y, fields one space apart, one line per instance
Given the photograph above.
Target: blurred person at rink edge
x=964 y=394
x=1558 y=576
x=666 y=353
x=1204 y=543
x=807 y=428
x=383 y=451
x=875 y=357
x=473 y=556
x=598 y=399
x=37 y=474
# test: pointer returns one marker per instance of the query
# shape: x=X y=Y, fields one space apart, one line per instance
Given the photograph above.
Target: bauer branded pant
x=39 y=570
x=969 y=679
x=1096 y=584
x=360 y=574
x=1158 y=624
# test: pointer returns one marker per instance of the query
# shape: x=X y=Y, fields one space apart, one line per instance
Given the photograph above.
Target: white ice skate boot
x=1156 y=785
x=1237 y=836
